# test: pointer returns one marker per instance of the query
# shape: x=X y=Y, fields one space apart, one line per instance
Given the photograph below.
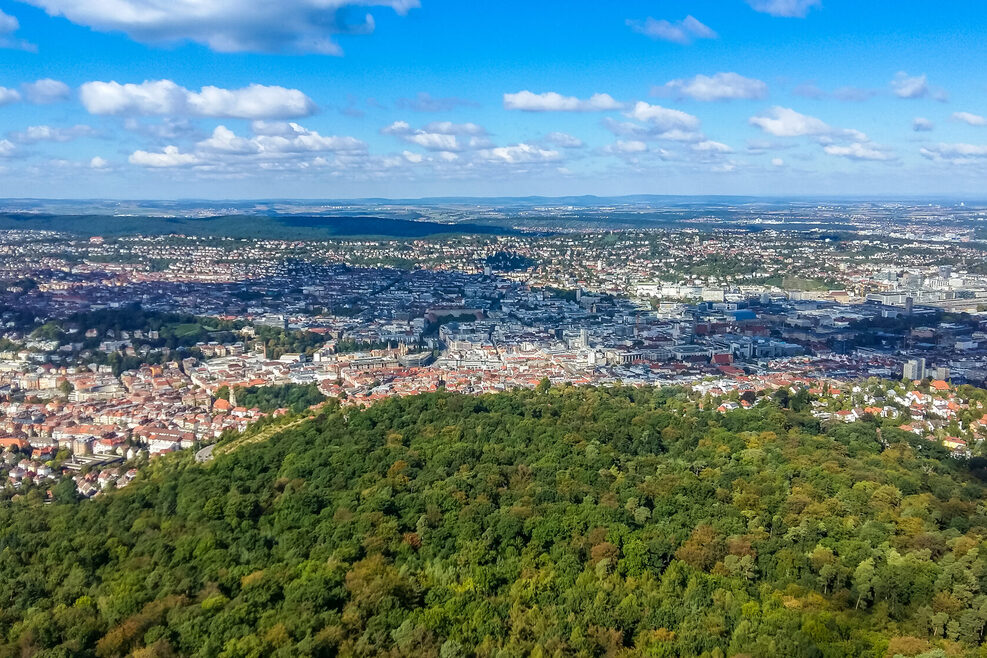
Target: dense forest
x=555 y=522
x=294 y=397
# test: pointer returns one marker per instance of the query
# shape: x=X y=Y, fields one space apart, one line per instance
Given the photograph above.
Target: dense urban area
x=114 y=350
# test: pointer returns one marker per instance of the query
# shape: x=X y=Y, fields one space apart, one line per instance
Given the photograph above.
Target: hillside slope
x=565 y=522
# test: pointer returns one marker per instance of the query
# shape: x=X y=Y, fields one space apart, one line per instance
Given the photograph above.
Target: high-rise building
x=914 y=369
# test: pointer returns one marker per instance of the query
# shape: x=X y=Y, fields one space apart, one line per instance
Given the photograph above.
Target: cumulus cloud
x=33 y=134
x=46 y=91
x=271 y=142
x=98 y=163
x=921 y=124
x=439 y=135
x=970 y=119
x=682 y=32
x=450 y=128
x=168 y=158
x=278 y=140
x=905 y=86
x=519 y=154
x=786 y=122
x=959 y=154
x=663 y=118
x=7 y=148
x=629 y=147
x=306 y=26
x=164 y=97
x=786 y=8
x=709 y=146
x=8 y=96
x=859 y=151
x=554 y=102
x=846 y=142
x=916 y=86
x=639 y=132
x=425 y=102
x=719 y=87
x=564 y=140
x=777 y=162
x=8 y=25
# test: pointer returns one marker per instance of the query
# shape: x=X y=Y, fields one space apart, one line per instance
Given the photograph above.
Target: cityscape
x=719 y=307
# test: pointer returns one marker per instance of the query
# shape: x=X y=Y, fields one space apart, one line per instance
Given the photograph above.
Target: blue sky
x=408 y=98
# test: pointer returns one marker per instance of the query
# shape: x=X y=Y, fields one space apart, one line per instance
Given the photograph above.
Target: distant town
x=115 y=349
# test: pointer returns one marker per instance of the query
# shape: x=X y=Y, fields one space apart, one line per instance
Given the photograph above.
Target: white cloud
x=231 y=25
x=7 y=148
x=682 y=32
x=8 y=25
x=8 y=96
x=519 y=154
x=554 y=102
x=33 y=134
x=164 y=97
x=971 y=119
x=915 y=86
x=621 y=147
x=271 y=143
x=920 y=124
x=46 y=91
x=709 y=146
x=847 y=143
x=438 y=135
x=662 y=117
x=786 y=8
x=786 y=122
x=656 y=131
x=859 y=151
x=959 y=154
x=224 y=140
x=906 y=86
x=719 y=87
x=449 y=128
x=564 y=140
x=168 y=158
x=777 y=162
x=434 y=141
x=293 y=139
x=98 y=163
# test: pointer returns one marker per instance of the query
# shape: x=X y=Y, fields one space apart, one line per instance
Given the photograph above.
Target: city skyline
x=400 y=98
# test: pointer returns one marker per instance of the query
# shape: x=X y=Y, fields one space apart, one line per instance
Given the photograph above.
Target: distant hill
x=289 y=227
x=556 y=522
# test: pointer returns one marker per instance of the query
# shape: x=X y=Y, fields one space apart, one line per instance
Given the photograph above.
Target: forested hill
x=567 y=522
